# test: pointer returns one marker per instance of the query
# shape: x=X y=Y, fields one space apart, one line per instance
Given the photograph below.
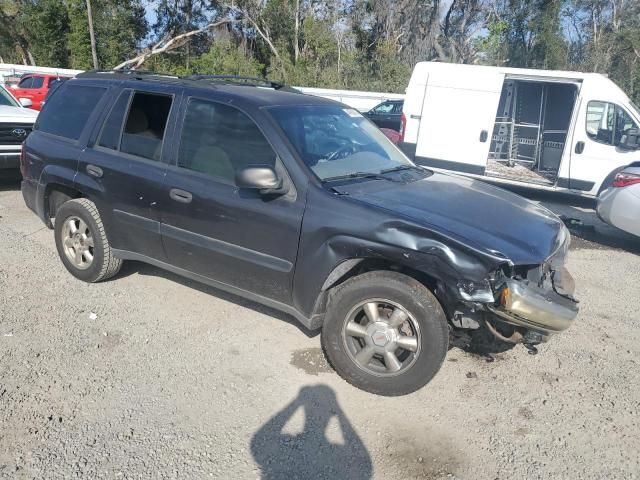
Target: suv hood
x=485 y=218
x=17 y=114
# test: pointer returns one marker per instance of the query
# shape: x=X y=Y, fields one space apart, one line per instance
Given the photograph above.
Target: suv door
x=125 y=166
x=38 y=91
x=211 y=227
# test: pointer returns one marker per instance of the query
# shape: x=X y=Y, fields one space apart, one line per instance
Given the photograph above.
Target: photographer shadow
x=310 y=454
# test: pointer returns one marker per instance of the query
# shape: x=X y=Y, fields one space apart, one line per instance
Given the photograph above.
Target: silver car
x=619 y=205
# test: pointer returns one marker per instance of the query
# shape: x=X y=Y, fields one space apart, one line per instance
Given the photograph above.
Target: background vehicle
x=34 y=86
x=392 y=135
x=619 y=205
x=299 y=203
x=361 y=101
x=387 y=114
x=542 y=129
x=16 y=123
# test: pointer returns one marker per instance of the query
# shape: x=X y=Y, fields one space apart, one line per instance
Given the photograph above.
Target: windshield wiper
x=377 y=176
x=402 y=167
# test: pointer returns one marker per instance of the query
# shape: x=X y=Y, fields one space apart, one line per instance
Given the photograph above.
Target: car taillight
x=23 y=161
x=403 y=126
x=624 y=179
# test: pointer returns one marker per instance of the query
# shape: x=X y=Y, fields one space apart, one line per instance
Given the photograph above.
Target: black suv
x=299 y=203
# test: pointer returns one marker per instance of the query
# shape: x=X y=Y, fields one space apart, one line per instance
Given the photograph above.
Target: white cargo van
x=552 y=130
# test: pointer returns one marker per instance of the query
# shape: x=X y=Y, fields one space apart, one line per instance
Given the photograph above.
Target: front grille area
x=14 y=133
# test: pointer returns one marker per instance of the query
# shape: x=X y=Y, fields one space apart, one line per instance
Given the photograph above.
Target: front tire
x=385 y=333
x=82 y=242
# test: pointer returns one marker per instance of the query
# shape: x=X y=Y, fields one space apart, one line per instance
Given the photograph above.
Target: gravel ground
x=151 y=375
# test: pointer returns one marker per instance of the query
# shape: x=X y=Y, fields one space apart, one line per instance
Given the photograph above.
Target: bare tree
x=167 y=44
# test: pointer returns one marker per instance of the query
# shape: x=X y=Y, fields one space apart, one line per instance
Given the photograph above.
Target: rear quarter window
x=67 y=111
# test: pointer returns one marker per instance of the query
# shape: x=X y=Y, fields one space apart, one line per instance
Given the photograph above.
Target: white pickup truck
x=16 y=122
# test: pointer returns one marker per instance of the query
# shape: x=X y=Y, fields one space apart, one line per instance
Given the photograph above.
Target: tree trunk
x=296 y=41
x=188 y=45
x=92 y=36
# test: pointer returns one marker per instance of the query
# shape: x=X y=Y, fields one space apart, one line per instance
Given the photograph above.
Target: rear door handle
x=483 y=136
x=579 y=147
x=94 y=171
x=180 y=195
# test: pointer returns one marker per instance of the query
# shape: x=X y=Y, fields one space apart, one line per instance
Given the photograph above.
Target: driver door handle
x=94 y=171
x=181 y=196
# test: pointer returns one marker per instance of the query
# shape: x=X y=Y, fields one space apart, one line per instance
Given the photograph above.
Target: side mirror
x=630 y=139
x=25 y=102
x=260 y=177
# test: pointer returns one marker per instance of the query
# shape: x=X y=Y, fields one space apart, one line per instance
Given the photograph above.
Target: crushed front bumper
x=545 y=310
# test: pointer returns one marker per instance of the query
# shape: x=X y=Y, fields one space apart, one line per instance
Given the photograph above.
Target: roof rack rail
x=128 y=72
x=242 y=80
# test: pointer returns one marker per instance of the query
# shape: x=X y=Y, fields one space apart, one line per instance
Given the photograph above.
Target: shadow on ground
x=9 y=181
x=131 y=267
x=326 y=447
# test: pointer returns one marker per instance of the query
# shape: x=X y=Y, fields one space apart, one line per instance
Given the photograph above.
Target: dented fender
x=337 y=235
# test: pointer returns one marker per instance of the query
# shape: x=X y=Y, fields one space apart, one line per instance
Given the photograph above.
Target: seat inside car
x=138 y=138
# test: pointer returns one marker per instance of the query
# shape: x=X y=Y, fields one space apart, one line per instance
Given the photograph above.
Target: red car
x=35 y=86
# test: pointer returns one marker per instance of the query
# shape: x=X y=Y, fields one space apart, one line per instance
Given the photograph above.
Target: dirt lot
x=151 y=375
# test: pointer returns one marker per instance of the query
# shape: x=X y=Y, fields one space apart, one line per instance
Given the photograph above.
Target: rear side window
x=67 y=112
x=110 y=135
x=219 y=140
x=37 y=82
x=145 y=125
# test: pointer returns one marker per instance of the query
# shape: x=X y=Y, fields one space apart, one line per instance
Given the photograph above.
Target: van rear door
x=457 y=119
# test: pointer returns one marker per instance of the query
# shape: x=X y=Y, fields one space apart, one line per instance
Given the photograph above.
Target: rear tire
x=82 y=242
x=385 y=333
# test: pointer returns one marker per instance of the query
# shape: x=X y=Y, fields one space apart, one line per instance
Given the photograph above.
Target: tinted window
x=67 y=112
x=397 y=108
x=37 y=82
x=26 y=82
x=218 y=140
x=384 y=108
x=607 y=122
x=112 y=128
x=145 y=125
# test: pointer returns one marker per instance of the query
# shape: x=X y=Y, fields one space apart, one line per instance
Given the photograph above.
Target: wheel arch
x=352 y=267
x=55 y=195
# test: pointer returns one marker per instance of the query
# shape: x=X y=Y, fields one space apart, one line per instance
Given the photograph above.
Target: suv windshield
x=336 y=142
x=6 y=99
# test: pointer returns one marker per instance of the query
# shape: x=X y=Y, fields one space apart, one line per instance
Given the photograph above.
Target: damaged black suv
x=299 y=203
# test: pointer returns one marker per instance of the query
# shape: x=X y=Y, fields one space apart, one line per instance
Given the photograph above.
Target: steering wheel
x=341 y=152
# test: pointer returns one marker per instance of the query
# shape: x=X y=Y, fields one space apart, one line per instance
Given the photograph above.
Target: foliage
x=347 y=44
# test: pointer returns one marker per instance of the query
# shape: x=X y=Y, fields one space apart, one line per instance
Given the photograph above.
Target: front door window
x=607 y=122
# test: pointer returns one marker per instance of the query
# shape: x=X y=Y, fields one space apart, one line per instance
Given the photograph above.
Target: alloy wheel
x=381 y=337
x=77 y=242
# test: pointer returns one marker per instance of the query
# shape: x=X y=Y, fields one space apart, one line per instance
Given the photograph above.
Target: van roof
x=430 y=66
x=596 y=80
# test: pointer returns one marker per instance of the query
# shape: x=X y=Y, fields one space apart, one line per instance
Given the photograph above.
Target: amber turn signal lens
x=505 y=296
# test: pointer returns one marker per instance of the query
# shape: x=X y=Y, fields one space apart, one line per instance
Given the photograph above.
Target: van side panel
x=457 y=120
x=414 y=101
